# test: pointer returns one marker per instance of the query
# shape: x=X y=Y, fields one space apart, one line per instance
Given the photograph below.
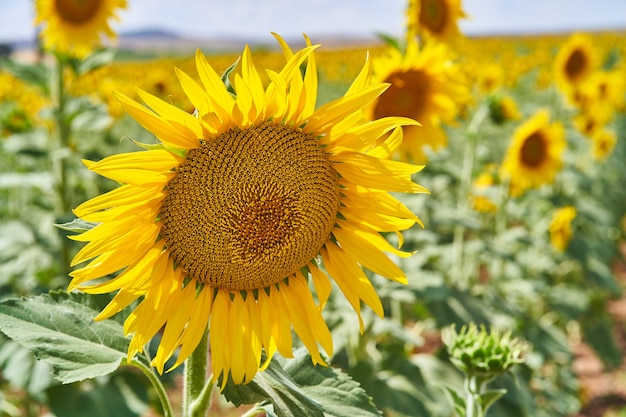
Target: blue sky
x=254 y=19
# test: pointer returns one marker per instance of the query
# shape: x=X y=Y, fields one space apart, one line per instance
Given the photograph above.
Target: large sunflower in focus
x=435 y=18
x=534 y=156
x=75 y=27
x=425 y=87
x=243 y=203
x=575 y=61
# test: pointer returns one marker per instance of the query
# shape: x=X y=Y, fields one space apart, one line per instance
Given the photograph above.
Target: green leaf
x=124 y=394
x=59 y=329
x=94 y=61
x=598 y=330
x=301 y=389
x=390 y=41
x=489 y=397
x=77 y=226
x=35 y=74
x=276 y=389
x=226 y=77
x=22 y=370
x=339 y=395
x=456 y=398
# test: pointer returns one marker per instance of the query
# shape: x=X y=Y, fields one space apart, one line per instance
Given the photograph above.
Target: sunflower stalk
x=59 y=166
x=197 y=387
x=157 y=385
x=481 y=355
x=465 y=182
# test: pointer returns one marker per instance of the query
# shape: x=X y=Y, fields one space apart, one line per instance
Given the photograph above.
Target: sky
x=255 y=19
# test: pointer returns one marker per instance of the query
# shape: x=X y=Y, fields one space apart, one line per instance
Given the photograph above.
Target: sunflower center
x=575 y=65
x=77 y=11
x=533 y=150
x=407 y=95
x=433 y=15
x=250 y=207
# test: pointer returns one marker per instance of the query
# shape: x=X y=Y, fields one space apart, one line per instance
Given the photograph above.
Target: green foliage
x=59 y=329
x=298 y=388
x=496 y=269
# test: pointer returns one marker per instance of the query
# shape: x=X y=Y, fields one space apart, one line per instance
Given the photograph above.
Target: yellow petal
x=171 y=113
x=364 y=78
x=369 y=255
x=351 y=280
x=196 y=327
x=176 y=138
x=330 y=113
x=126 y=194
x=221 y=100
x=321 y=283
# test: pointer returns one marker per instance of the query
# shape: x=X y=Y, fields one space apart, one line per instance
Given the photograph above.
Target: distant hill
x=159 y=40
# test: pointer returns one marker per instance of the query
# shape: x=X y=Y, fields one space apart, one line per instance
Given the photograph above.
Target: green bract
x=480 y=353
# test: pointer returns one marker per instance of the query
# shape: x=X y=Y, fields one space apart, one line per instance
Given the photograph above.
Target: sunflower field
x=428 y=225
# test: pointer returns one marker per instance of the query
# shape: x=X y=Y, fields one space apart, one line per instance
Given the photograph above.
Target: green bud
x=480 y=353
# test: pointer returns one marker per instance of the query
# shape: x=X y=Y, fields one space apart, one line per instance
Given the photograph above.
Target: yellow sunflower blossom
x=436 y=19
x=244 y=204
x=591 y=120
x=604 y=91
x=603 y=142
x=425 y=86
x=534 y=156
x=574 y=62
x=480 y=201
x=561 y=227
x=502 y=109
x=75 y=27
x=490 y=76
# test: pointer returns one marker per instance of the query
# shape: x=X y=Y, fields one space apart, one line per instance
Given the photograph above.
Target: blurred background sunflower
x=75 y=27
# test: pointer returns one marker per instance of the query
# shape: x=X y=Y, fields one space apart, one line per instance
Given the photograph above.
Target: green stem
x=253 y=412
x=467 y=168
x=473 y=388
x=157 y=385
x=500 y=225
x=197 y=387
x=59 y=148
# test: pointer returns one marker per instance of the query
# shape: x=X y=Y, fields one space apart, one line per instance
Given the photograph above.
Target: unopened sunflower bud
x=480 y=353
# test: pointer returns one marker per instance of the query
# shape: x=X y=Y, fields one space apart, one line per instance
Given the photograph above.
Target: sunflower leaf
x=226 y=77
x=59 y=329
x=302 y=389
x=76 y=226
x=276 y=392
x=336 y=391
x=33 y=74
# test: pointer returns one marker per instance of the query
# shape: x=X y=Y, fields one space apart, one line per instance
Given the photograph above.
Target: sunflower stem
x=157 y=385
x=197 y=389
x=253 y=412
x=200 y=406
x=465 y=182
x=57 y=150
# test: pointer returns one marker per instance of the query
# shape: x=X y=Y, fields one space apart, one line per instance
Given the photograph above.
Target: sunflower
x=592 y=119
x=434 y=18
x=561 y=227
x=480 y=197
x=574 y=62
x=603 y=142
x=534 y=156
x=604 y=91
x=75 y=27
x=503 y=108
x=425 y=87
x=241 y=205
